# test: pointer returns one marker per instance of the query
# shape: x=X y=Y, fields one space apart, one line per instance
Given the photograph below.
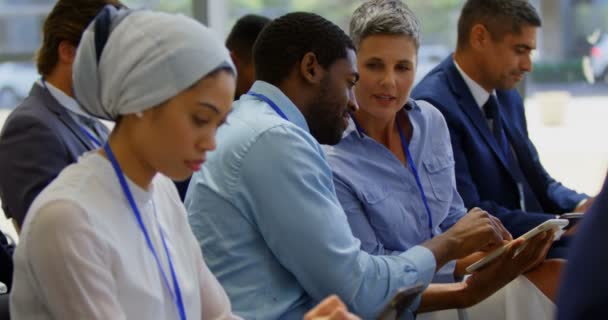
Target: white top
x=82 y=254
x=480 y=94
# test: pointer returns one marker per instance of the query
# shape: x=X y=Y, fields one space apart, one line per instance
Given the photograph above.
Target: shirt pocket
x=439 y=172
x=375 y=194
x=384 y=212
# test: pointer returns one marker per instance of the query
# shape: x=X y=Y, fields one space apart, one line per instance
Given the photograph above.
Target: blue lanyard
x=93 y=139
x=175 y=296
x=86 y=132
x=410 y=161
x=270 y=103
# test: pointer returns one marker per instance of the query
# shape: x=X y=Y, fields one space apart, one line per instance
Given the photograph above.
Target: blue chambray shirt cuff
x=446 y=274
x=425 y=263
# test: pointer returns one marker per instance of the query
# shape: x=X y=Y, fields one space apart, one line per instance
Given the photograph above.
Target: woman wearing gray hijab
x=109 y=238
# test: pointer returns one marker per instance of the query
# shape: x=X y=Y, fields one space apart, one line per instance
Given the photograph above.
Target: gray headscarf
x=130 y=61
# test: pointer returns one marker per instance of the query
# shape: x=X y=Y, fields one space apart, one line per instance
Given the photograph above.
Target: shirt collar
x=480 y=94
x=275 y=94
x=63 y=99
x=410 y=105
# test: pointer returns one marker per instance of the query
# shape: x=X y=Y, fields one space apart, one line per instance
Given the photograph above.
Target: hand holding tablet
x=552 y=224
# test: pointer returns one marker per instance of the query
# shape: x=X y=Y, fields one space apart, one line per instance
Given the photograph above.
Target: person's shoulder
x=346 y=154
x=429 y=110
x=253 y=117
x=252 y=124
x=434 y=118
x=72 y=182
x=58 y=207
x=30 y=115
x=437 y=78
x=29 y=112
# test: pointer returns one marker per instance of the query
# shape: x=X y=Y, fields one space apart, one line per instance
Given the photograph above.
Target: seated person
x=264 y=209
x=49 y=130
x=583 y=291
x=240 y=43
x=109 y=238
x=394 y=170
x=497 y=166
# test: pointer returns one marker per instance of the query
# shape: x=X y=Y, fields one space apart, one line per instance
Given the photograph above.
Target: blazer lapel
x=469 y=107
x=62 y=114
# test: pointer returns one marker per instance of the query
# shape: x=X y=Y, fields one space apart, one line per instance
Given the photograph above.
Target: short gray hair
x=388 y=17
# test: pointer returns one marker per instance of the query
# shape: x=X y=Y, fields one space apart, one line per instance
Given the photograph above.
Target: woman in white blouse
x=109 y=238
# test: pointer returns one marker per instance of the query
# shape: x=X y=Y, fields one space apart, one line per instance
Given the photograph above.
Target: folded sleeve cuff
x=424 y=261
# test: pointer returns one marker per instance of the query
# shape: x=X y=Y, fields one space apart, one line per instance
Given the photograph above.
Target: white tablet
x=555 y=224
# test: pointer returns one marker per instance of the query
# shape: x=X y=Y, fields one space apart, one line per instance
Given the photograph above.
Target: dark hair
x=66 y=22
x=243 y=35
x=500 y=17
x=285 y=41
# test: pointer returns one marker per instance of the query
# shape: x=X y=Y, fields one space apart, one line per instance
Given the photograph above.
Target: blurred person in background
x=49 y=130
x=240 y=43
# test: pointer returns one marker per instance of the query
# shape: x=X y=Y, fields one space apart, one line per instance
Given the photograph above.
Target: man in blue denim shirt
x=264 y=207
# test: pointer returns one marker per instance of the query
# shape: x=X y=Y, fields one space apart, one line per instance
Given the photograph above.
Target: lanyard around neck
x=410 y=161
x=94 y=140
x=176 y=295
x=91 y=137
x=270 y=103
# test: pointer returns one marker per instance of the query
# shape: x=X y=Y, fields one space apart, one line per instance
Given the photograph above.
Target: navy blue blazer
x=583 y=292
x=38 y=140
x=485 y=178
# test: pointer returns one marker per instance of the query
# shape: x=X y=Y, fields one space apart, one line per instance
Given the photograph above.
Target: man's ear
x=66 y=52
x=479 y=36
x=310 y=69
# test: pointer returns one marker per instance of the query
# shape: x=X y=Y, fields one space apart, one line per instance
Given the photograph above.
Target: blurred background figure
x=49 y=130
x=240 y=43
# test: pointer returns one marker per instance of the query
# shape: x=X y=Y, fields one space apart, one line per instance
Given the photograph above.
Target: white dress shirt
x=480 y=94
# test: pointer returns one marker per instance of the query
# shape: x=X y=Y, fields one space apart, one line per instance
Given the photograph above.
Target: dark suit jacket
x=485 y=177
x=584 y=289
x=38 y=140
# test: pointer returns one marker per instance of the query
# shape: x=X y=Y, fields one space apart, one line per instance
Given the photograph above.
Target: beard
x=325 y=115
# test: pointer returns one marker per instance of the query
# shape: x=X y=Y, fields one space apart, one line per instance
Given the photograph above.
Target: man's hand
x=476 y=231
x=331 y=308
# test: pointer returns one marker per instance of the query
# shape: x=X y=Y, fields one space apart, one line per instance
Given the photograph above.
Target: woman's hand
x=486 y=281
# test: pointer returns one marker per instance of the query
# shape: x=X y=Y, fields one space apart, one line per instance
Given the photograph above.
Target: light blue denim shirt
x=265 y=212
x=380 y=195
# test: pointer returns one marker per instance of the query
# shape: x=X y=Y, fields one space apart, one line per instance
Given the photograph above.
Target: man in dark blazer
x=497 y=166
x=584 y=289
x=48 y=131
